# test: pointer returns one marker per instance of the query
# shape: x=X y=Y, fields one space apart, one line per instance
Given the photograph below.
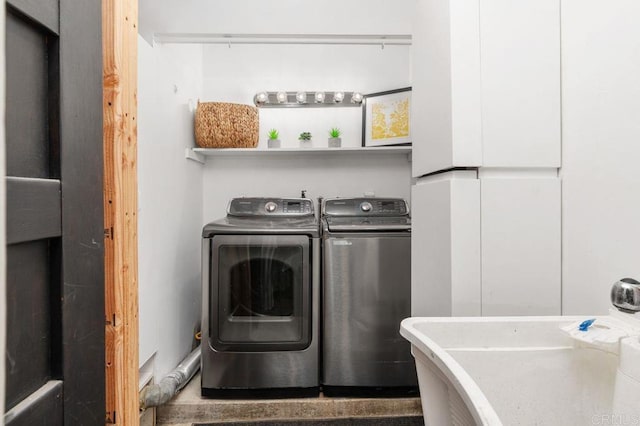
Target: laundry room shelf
x=200 y=154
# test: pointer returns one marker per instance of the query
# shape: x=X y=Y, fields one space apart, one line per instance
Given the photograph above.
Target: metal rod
x=343 y=39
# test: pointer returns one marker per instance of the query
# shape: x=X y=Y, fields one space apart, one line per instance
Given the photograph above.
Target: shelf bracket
x=190 y=154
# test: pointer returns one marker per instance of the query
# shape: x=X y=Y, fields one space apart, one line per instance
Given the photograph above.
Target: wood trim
x=120 y=45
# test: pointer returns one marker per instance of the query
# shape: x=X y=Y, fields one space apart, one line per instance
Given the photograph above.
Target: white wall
x=326 y=176
x=170 y=203
x=601 y=150
x=235 y=74
x=3 y=277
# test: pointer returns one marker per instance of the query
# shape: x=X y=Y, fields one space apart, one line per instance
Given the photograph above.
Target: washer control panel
x=277 y=207
x=365 y=207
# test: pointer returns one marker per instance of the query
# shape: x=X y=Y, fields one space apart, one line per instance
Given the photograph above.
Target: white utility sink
x=527 y=370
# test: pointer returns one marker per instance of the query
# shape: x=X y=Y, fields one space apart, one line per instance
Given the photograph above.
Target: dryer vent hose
x=158 y=394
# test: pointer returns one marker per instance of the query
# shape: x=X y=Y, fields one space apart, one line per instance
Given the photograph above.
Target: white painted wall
x=320 y=175
x=235 y=74
x=3 y=249
x=601 y=150
x=170 y=203
x=275 y=16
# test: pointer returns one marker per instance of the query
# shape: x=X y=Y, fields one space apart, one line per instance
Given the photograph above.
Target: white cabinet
x=486 y=84
x=521 y=234
x=488 y=246
x=486 y=96
x=445 y=245
x=446 y=121
x=520 y=68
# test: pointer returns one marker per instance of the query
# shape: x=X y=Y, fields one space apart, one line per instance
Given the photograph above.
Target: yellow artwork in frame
x=387 y=118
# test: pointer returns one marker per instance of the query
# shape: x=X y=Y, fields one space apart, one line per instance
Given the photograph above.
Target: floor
x=188 y=408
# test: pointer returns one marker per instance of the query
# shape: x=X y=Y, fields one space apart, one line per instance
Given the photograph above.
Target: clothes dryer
x=261 y=292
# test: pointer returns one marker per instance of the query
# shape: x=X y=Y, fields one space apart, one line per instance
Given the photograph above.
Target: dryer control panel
x=276 y=207
x=351 y=207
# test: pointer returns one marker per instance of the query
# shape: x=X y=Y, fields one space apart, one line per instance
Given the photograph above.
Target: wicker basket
x=225 y=125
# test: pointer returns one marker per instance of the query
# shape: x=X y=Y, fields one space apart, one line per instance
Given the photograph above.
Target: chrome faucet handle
x=625 y=295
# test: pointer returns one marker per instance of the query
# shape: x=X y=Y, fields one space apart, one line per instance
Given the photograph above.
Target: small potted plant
x=305 y=139
x=335 y=141
x=274 y=141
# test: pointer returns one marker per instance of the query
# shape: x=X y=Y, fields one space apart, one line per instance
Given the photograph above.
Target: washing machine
x=366 y=294
x=261 y=294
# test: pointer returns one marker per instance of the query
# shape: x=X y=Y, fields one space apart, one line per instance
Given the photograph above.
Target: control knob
x=365 y=206
x=270 y=207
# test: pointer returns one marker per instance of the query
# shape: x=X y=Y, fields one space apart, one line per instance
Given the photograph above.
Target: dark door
x=55 y=265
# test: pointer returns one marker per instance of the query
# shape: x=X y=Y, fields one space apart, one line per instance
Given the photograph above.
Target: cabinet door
x=486 y=84
x=445 y=245
x=520 y=246
x=446 y=124
x=520 y=51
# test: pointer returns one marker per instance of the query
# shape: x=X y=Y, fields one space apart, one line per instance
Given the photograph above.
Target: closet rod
x=230 y=39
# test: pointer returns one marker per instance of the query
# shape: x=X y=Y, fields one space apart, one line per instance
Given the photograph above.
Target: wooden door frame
x=120 y=49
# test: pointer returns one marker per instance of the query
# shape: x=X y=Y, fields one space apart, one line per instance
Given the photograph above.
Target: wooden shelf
x=200 y=154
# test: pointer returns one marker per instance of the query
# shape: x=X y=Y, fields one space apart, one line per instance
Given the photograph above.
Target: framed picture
x=386 y=118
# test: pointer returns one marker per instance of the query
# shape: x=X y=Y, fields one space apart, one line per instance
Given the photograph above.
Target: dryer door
x=260 y=293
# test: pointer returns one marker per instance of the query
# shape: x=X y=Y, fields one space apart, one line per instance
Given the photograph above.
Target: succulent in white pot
x=305 y=139
x=274 y=141
x=335 y=141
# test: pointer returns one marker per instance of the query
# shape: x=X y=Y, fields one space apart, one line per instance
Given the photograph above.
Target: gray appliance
x=366 y=293
x=261 y=290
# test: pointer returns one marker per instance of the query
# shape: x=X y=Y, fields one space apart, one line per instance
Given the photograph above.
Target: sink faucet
x=625 y=295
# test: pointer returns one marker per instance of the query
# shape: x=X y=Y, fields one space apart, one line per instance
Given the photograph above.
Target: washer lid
x=364 y=224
